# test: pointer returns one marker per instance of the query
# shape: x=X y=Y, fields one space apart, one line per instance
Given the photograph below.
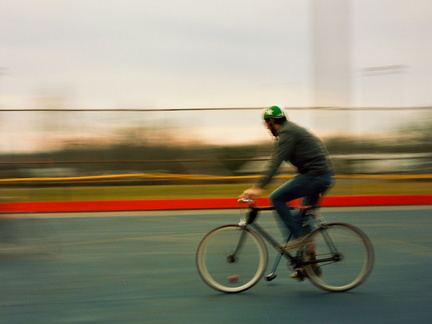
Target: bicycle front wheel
x=344 y=257
x=231 y=258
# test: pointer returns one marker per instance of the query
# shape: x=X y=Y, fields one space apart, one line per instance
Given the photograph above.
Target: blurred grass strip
x=142 y=192
x=196 y=177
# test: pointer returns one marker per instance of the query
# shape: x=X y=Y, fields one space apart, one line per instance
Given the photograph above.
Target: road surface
x=139 y=267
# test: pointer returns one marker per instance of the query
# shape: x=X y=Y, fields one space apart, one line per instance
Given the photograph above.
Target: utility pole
x=331 y=53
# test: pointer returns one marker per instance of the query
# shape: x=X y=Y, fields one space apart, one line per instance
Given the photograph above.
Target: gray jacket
x=302 y=149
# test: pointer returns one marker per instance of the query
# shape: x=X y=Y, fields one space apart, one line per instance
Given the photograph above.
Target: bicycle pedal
x=271 y=276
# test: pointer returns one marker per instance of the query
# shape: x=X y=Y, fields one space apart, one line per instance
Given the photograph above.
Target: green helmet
x=273 y=112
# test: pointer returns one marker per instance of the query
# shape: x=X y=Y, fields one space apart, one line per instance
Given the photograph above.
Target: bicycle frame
x=296 y=261
x=327 y=245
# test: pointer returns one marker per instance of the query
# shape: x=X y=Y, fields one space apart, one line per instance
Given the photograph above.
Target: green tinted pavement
x=140 y=268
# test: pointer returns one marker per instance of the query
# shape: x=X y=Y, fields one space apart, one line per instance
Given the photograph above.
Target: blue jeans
x=302 y=185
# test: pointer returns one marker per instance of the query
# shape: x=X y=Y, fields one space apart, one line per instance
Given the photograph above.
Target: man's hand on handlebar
x=251 y=193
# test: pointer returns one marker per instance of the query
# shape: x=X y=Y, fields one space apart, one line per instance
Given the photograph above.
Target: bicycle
x=233 y=258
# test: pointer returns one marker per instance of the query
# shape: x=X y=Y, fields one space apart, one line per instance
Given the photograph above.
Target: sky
x=110 y=54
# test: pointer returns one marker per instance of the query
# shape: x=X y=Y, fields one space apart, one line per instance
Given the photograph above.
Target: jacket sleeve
x=282 y=152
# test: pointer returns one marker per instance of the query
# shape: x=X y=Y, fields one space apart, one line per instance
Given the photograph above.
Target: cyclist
x=296 y=145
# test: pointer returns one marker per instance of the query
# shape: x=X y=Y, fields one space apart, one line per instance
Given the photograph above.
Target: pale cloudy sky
x=151 y=54
x=202 y=53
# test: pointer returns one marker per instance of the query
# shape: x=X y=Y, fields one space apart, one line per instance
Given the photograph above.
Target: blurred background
x=107 y=100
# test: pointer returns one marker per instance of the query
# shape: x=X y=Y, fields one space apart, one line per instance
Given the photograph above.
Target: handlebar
x=246 y=201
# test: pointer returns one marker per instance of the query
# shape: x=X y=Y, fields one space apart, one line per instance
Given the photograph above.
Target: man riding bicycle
x=296 y=145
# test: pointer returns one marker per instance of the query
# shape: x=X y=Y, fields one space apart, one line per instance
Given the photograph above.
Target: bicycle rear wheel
x=344 y=256
x=231 y=258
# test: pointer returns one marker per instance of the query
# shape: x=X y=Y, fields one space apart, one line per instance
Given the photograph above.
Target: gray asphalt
x=139 y=267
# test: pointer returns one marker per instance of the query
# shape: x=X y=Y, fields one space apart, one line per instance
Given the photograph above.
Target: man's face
x=270 y=124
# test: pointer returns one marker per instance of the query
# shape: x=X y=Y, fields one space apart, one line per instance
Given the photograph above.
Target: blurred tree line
x=414 y=138
x=139 y=150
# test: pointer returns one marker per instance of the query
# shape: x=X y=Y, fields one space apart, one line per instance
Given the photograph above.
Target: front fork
x=231 y=258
